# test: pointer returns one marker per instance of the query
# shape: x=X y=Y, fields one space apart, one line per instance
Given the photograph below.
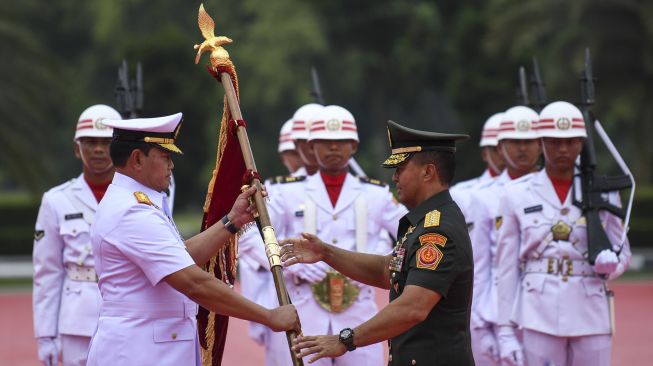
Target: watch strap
x=229 y=225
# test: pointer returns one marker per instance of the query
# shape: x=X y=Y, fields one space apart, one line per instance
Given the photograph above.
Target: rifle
x=537 y=86
x=593 y=185
x=522 y=92
x=316 y=94
x=129 y=93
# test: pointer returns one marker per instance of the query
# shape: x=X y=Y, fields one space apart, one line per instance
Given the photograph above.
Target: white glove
x=488 y=344
x=313 y=272
x=606 y=262
x=48 y=352
x=510 y=350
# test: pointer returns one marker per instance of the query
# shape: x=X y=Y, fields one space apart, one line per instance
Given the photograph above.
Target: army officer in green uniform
x=429 y=273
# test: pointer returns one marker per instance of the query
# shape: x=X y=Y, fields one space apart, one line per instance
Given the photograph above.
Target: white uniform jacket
x=461 y=193
x=483 y=235
x=363 y=209
x=143 y=320
x=571 y=300
x=62 y=305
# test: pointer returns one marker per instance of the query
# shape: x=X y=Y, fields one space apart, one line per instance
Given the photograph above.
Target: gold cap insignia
x=142 y=198
x=432 y=219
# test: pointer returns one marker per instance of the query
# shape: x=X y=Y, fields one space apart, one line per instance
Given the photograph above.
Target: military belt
x=335 y=293
x=564 y=267
x=81 y=273
x=148 y=310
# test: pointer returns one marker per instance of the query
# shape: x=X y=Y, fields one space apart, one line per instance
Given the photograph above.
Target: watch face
x=345 y=333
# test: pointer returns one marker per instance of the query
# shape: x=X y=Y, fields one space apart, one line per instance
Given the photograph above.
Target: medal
x=398 y=254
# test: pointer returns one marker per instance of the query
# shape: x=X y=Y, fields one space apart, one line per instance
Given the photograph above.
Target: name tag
x=532 y=209
x=299 y=213
x=74 y=216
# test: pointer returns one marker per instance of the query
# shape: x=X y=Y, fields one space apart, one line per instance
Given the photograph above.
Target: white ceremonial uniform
x=66 y=299
x=546 y=286
x=483 y=236
x=461 y=193
x=143 y=320
x=355 y=223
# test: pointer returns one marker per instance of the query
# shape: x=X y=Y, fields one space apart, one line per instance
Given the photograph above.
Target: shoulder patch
x=432 y=238
x=290 y=179
x=432 y=219
x=142 y=198
x=39 y=234
x=498 y=221
x=429 y=256
x=373 y=181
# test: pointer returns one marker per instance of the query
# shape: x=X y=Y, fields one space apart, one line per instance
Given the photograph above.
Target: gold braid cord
x=220 y=63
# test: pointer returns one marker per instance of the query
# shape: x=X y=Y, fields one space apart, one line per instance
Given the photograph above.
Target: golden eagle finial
x=211 y=42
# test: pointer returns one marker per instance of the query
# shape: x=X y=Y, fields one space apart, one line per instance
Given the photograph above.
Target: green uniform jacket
x=434 y=252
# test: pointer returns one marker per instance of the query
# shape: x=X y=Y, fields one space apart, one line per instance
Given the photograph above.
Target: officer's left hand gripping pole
x=219 y=58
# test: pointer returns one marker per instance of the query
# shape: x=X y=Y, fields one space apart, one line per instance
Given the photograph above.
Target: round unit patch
x=333 y=125
x=563 y=123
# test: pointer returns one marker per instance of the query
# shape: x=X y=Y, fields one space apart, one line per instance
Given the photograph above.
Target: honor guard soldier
x=429 y=273
x=66 y=299
x=299 y=134
x=351 y=212
x=519 y=147
x=546 y=285
x=149 y=277
x=461 y=192
x=287 y=152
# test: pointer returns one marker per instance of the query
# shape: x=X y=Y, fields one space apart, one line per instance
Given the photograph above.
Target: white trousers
x=542 y=349
x=480 y=357
x=74 y=349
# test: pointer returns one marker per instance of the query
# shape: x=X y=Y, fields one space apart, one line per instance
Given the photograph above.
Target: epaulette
x=142 y=198
x=432 y=219
x=373 y=181
x=289 y=179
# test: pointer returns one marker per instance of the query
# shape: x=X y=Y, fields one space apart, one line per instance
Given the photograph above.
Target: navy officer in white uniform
x=149 y=277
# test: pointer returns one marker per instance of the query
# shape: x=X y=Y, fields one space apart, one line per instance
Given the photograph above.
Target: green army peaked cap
x=405 y=142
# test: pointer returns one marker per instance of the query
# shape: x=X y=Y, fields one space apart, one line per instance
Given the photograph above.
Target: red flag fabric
x=224 y=188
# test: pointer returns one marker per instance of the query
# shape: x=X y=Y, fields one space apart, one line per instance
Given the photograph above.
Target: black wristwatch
x=346 y=337
x=229 y=225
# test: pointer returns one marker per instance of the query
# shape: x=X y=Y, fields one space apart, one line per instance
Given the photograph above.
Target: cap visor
x=395 y=160
x=171 y=147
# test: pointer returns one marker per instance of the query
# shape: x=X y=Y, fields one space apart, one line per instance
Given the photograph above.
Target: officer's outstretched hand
x=284 y=318
x=328 y=346
x=244 y=210
x=307 y=249
x=48 y=351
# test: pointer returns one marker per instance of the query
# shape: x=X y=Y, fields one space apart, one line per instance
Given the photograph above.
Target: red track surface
x=632 y=343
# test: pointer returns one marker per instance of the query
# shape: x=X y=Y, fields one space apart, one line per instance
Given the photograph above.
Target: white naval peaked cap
x=333 y=123
x=561 y=120
x=91 y=121
x=301 y=120
x=518 y=123
x=491 y=130
x=285 y=141
x=161 y=131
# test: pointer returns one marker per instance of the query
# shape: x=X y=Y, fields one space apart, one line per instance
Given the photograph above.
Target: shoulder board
x=142 y=198
x=290 y=179
x=63 y=186
x=522 y=179
x=373 y=181
x=432 y=219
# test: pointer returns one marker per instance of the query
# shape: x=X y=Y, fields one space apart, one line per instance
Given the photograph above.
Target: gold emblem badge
x=561 y=231
x=563 y=123
x=432 y=219
x=142 y=198
x=429 y=256
x=335 y=293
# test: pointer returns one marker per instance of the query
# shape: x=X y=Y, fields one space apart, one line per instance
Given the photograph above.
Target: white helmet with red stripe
x=518 y=123
x=285 y=141
x=90 y=121
x=333 y=123
x=301 y=120
x=561 y=120
x=491 y=130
